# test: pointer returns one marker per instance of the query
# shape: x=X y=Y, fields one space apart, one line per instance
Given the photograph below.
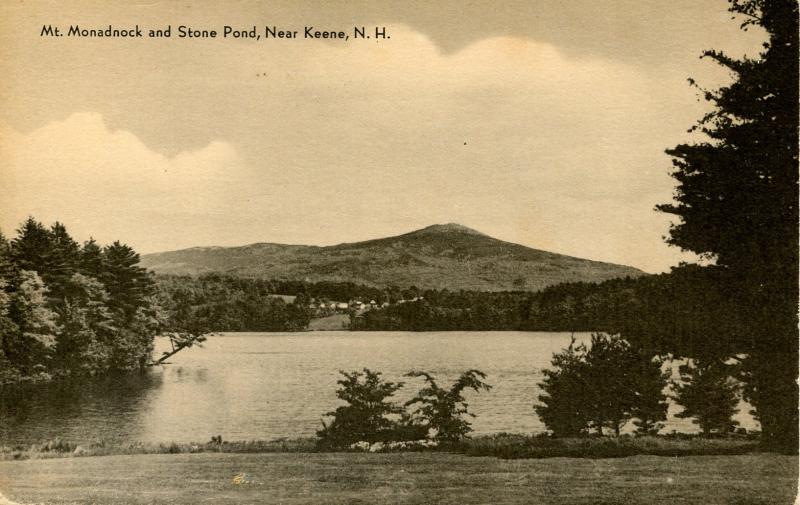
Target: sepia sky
x=541 y=122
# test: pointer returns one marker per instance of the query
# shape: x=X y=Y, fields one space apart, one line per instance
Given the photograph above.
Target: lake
x=246 y=386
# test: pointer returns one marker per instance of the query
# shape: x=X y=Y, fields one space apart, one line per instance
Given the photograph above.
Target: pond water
x=246 y=386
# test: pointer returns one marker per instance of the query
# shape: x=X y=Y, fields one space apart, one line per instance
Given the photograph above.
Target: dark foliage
x=524 y=446
x=67 y=310
x=737 y=200
x=709 y=396
x=561 y=406
x=602 y=387
x=367 y=413
x=215 y=303
x=443 y=410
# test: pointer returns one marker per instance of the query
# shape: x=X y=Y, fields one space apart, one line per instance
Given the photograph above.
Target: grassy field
x=402 y=478
x=334 y=322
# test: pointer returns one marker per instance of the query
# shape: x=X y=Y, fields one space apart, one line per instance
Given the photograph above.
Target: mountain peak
x=439 y=256
x=447 y=228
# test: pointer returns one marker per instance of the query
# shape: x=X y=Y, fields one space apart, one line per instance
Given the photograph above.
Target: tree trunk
x=175 y=350
x=776 y=401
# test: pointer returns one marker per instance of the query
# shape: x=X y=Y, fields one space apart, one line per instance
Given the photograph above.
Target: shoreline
x=501 y=446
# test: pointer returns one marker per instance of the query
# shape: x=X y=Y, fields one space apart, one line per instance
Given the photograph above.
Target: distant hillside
x=440 y=256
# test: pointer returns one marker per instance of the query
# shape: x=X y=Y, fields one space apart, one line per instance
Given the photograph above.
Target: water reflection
x=77 y=410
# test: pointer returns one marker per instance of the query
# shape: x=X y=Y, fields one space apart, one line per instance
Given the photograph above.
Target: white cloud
x=346 y=142
x=108 y=183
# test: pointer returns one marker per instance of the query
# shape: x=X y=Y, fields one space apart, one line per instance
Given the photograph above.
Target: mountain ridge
x=439 y=256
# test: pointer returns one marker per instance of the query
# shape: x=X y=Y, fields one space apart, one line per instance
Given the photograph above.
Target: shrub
x=364 y=418
x=443 y=410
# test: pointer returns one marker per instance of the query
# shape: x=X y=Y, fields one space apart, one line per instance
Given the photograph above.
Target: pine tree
x=127 y=283
x=561 y=405
x=708 y=395
x=64 y=257
x=91 y=259
x=32 y=249
x=603 y=387
x=737 y=200
x=650 y=405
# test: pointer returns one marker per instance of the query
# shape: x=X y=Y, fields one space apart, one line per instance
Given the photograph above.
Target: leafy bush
x=442 y=410
x=365 y=417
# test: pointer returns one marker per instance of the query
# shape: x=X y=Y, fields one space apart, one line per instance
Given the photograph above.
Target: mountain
x=439 y=256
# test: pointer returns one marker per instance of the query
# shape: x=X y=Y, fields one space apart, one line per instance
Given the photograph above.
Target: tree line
x=603 y=386
x=72 y=309
x=218 y=303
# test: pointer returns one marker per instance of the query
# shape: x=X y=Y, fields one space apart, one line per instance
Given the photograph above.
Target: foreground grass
x=335 y=322
x=402 y=478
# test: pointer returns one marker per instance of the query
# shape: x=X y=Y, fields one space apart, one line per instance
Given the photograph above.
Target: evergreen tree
x=127 y=283
x=65 y=255
x=91 y=259
x=603 y=387
x=52 y=253
x=708 y=395
x=32 y=249
x=608 y=371
x=562 y=402
x=737 y=200
x=7 y=266
x=650 y=406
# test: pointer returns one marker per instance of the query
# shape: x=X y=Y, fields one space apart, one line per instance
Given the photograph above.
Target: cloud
x=108 y=183
x=323 y=143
